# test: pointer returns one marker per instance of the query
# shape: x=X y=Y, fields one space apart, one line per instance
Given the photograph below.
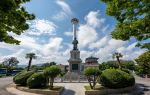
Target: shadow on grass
x=68 y=92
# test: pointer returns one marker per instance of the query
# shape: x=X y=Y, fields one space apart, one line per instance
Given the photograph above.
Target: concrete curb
x=134 y=90
x=26 y=91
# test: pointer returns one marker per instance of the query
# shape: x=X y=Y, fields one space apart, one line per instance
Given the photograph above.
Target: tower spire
x=74 y=22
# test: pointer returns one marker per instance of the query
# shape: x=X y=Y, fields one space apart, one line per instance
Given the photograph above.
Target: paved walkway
x=73 y=88
x=4 y=82
x=145 y=85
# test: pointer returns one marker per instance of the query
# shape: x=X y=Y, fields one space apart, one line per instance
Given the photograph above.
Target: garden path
x=73 y=88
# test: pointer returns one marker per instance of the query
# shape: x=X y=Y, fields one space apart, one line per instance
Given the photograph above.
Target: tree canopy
x=133 y=19
x=125 y=64
x=144 y=62
x=10 y=62
x=13 y=17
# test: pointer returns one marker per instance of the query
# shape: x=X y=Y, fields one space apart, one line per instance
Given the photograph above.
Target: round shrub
x=115 y=78
x=37 y=80
x=21 y=78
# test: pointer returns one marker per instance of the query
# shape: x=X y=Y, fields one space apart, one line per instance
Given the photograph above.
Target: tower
x=75 y=61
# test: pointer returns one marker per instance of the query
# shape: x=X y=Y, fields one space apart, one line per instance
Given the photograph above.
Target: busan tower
x=75 y=60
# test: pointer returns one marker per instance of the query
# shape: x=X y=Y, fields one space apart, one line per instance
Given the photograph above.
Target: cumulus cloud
x=86 y=35
x=87 y=32
x=65 y=11
x=53 y=46
x=40 y=27
x=93 y=19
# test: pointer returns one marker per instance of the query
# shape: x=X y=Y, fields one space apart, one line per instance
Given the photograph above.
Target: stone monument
x=75 y=60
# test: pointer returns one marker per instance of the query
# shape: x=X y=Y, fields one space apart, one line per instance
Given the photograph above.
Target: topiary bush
x=92 y=75
x=37 y=80
x=115 y=78
x=21 y=78
x=52 y=72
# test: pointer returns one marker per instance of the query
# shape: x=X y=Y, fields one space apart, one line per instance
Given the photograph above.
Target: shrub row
x=30 y=79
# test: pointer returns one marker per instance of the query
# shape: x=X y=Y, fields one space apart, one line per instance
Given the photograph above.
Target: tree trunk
x=94 y=82
x=119 y=63
x=29 y=65
x=89 y=80
x=51 y=83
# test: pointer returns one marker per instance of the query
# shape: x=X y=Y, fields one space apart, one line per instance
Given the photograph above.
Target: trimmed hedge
x=115 y=78
x=21 y=78
x=37 y=80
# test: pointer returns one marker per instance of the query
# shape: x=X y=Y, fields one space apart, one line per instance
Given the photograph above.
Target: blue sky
x=50 y=34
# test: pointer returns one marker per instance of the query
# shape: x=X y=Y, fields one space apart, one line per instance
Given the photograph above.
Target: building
x=91 y=62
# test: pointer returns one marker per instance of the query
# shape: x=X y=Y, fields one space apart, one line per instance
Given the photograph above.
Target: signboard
x=74 y=67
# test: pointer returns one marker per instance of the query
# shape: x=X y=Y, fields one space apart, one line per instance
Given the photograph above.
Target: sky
x=50 y=34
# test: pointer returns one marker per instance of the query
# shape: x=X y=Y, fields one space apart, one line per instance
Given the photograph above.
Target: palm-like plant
x=117 y=56
x=30 y=56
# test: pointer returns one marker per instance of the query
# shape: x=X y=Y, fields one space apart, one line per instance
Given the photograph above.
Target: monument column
x=75 y=61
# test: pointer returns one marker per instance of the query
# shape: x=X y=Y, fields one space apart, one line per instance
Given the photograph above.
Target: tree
x=144 y=62
x=52 y=72
x=127 y=64
x=30 y=56
x=13 y=17
x=92 y=75
x=10 y=63
x=118 y=56
x=48 y=64
x=108 y=65
x=133 y=19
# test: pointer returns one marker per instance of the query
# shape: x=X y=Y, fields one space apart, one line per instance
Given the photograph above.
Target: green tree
x=48 y=64
x=127 y=64
x=52 y=72
x=108 y=65
x=30 y=56
x=133 y=19
x=10 y=64
x=92 y=75
x=144 y=62
x=117 y=56
x=13 y=17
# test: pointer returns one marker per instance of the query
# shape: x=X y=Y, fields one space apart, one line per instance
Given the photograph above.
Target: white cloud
x=93 y=19
x=65 y=10
x=86 y=35
x=68 y=33
x=53 y=46
x=100 y=43
x=39 y=27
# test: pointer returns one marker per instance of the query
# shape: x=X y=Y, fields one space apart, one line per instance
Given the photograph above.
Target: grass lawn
x=97 y=87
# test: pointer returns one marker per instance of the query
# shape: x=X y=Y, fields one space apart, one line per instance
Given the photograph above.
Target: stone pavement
x=15 y=91
x=73 y=88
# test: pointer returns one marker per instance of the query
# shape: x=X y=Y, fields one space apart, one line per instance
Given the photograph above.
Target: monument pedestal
x=75 y=61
